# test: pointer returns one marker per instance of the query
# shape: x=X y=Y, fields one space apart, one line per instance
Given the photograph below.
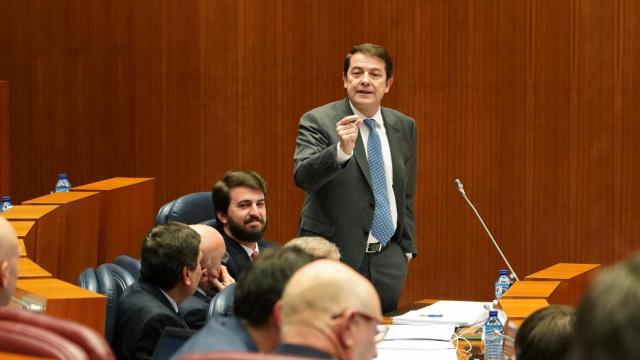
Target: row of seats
x=22 y=332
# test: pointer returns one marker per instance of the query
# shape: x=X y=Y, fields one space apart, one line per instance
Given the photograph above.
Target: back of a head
x=322 y=290
x=9 y=254
x=608 y=320
x=316 y=246
x=547 y=334
x=261 y=285
x=166 y=250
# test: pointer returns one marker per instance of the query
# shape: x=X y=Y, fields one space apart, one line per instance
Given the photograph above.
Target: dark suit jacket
x=339 y=203
x=194 y=310
x=219 y=334
x=301 y=351
x=143 y=313
x=238 y=258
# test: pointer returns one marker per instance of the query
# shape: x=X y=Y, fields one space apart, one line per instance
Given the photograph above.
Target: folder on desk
x=459 y=313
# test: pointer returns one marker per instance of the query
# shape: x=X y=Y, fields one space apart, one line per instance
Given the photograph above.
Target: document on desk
x=438 y=332
x=392 y=354
x=458 y=313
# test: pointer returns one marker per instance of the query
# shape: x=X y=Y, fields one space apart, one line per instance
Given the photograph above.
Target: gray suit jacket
x=339 y=203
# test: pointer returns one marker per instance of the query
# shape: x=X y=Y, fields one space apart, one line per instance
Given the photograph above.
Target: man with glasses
x=215 y=276
x=329 y=311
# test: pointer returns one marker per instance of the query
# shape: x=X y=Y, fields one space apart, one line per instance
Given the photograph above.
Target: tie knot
x=371 y=124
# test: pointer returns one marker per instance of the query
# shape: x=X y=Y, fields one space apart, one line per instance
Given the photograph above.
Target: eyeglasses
x=381 y=330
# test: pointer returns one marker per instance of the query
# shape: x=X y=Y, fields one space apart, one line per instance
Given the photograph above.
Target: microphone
x=460 y=188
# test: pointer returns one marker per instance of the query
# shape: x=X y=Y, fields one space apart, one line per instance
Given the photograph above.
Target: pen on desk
x=433 y=315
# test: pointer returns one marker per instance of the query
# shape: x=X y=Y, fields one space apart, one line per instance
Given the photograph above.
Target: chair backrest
x=112 y=282
x=192 y=208
x=87 y=280
x=237 y=355
x=131 y=265
x=222 y=304
x=51 y=333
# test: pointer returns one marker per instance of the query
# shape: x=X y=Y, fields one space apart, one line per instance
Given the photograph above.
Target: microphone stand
x=458 y=184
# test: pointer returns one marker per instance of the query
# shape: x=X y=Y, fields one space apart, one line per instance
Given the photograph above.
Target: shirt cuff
x=409 y=256
x=341 y=156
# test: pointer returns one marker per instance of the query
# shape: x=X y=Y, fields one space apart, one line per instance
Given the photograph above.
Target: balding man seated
x=329 y=311
x=9 y=254
x=215 y=276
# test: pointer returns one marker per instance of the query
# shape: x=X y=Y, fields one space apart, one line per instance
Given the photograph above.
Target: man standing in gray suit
x=356 y=160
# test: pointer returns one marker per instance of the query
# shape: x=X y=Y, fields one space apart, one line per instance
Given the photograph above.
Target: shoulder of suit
x=386 y=112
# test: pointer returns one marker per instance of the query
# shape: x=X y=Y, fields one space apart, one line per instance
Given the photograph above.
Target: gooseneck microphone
x=458 y=184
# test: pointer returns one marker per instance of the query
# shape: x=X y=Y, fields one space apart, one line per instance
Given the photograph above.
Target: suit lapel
x=393 y=135
x=359 y=153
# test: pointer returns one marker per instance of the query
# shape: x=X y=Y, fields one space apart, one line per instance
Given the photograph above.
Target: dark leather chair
x=192 y=208
x=112 y=281
x=88 y=280
x=222 y=304
x=131 y=265
x=41 y=335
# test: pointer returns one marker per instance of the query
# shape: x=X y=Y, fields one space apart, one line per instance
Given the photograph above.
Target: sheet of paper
x=392 y=354
x=442 y=332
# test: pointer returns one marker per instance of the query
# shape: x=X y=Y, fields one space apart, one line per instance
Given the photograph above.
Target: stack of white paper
x=418 y=342
x=458 y=313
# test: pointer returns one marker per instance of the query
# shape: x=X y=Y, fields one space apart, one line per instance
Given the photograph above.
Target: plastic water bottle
x=6 y=204
x=503 y=283
x=492 y=340
x=63 y=184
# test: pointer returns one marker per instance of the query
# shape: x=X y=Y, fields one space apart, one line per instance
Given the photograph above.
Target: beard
x=240 y=232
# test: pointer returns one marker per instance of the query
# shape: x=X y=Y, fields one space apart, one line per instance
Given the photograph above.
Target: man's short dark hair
x=261 y=285
x=221 y=190
x=166 y=250
x=608 y=320
x=371 y=50
x=547 y=334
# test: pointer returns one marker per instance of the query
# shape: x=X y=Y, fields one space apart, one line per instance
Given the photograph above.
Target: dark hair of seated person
x=262 y=284
x=546 y=334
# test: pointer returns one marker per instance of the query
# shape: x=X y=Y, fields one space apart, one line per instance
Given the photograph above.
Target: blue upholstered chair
x=222 y=304
x=131 y=265
x=112 y=281
x=88 y=280
x=192 y=208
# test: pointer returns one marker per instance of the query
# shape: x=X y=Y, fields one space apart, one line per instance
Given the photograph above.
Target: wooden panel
x=65 y=301
x=79 y=248
x=26 y=235
x=520 y=309
x=5 y=137
x=127 y=213
x=27 y=269
x=49 y=230
x=531 y=103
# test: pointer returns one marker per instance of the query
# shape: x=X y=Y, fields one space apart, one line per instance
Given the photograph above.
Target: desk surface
x=22 y=228
x=59 y=198
x=110 y=184
x=24 y=212
x=27 y=269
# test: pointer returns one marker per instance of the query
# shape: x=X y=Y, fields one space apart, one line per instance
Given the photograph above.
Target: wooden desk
x=519 y=309
x=127 y=212
x=49 y=232
x=555 y=292
x=27 y=269
x=79 y=248
x=24 y=230
x=14 y=356
x=575 y=278
x=64 y=300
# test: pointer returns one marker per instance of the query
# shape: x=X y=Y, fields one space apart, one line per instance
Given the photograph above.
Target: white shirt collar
x=173 y=303
x=377 y=116
x=250 y=250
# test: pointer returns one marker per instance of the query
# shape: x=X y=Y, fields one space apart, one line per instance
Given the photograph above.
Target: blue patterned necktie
x=382 y=227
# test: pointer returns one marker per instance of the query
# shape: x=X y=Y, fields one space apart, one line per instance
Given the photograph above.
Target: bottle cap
x=6 y=198
x=62 y=176
x=493 y=312
x=504 y=272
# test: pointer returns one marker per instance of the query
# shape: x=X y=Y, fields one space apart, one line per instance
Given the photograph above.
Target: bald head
x=316 y=246
x=213 y=249
x=9 y=254
x=327 y=298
